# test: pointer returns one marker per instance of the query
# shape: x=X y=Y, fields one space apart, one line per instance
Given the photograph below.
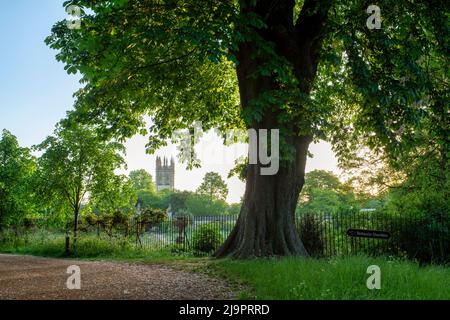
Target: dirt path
x=25 y=277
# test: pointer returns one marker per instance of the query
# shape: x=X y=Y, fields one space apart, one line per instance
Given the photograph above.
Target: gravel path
x=26 y=277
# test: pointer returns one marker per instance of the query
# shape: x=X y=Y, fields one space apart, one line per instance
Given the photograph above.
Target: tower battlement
x=165 y=173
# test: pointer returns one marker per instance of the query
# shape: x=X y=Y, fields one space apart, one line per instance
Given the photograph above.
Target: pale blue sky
x=36 y=92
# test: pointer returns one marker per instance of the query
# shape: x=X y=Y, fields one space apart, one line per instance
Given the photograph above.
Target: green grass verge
x=90 y=248
x=288 y=278
x=336 y=279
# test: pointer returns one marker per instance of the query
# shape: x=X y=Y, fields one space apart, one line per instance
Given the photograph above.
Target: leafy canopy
x=174 y=62
x=17 y=167
x=76 y=164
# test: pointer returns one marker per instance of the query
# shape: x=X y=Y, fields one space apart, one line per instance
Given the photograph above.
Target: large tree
x=256 y=64
x=16 y=170
x=74 y=163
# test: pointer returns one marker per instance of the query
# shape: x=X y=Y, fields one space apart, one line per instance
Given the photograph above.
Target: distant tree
x=213 y=186
x=147 y=199
x=74 y=162
x=320 y=179
x=178 y=201
x=324 y=192
x=202 y=205
x=194 y=203
x=160 y=200
x=16 y=169
x=234 y=208
x=145 y=189
x=142 y=180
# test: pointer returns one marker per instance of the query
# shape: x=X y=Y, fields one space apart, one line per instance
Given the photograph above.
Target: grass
x=336 y=279
x=280 y=279
x=89 y=248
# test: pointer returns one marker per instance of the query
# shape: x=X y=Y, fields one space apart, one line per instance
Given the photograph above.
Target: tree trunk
x=266 y=225
x=75 y=228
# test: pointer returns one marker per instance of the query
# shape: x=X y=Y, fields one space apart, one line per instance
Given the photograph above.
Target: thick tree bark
x=266 y=225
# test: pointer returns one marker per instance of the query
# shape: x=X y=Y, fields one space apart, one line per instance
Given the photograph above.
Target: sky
x=36 y=92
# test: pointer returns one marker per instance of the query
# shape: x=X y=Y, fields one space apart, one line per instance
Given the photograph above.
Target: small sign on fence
x=359 y=233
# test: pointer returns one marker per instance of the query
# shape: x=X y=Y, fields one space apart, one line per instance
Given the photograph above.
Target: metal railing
x=425 y=237
x=409 y=235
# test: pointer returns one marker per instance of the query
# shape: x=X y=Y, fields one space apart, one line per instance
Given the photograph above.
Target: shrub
x=90 y=219
x=119 y=218
x=206 y=239
x=8 y=237
x=179 y=249
x=29 y=222
x=153 y=216
x=425 y=239
x=116 y=222
x=422 y=229
x=310 y=229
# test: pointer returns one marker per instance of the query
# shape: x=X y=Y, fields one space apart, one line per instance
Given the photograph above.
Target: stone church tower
x=165 y=174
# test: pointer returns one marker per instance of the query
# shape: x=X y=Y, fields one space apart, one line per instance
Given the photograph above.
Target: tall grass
x=340 y=278
x=87 y=247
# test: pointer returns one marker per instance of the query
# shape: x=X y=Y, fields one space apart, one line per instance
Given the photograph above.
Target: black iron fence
x=414 y=236
x=201 y=234
x=409 y=235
